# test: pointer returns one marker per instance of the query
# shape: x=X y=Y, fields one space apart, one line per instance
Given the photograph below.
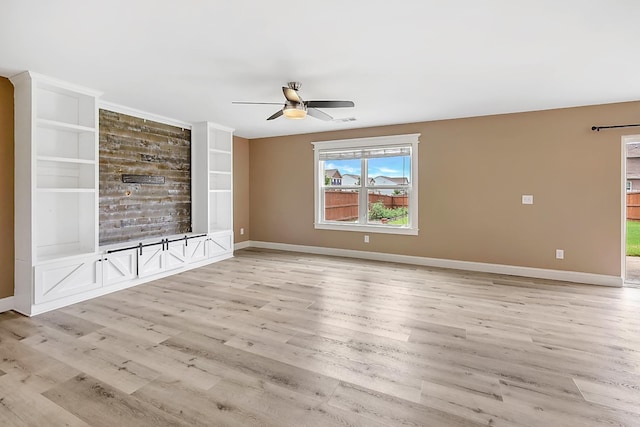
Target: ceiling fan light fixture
x=295 y=112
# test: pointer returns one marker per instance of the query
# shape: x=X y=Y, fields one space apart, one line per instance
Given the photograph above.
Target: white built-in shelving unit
x=57 y=160
x=56 y=187
x=58 y=260
x=212 y=183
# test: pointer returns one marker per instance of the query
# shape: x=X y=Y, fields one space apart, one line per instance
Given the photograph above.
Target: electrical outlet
x=559 y=253
x=241 y=231
x=527 y=199
x=366 y=238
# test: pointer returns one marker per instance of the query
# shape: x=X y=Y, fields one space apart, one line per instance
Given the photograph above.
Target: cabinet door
x=175 y=255
x=65 y=278
x=151 y=261
x=197 y=249
x=119 y=267
x=220 y=245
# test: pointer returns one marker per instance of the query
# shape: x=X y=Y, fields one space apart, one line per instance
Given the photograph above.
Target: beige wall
x=6 y=188
x=473 y=173
x=240 y=189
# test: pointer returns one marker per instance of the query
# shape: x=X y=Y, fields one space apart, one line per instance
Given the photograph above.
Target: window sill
x=368 y=229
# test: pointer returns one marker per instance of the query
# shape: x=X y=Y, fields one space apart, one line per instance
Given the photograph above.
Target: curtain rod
x=597 y=128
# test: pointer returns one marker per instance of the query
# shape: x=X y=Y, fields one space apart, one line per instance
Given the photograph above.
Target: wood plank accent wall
x=131 y=145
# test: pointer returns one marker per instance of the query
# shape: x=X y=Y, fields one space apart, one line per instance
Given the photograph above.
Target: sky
x=383 y=166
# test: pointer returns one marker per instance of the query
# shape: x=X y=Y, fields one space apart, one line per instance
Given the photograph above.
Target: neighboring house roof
x=332 y=173
x=399 y=180
x=350 y=179
x=378 y=180
x=390 y=180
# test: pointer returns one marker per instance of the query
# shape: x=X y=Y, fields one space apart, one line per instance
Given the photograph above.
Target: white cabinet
x=188 y=250
x=220 y=244
x=119 y=266
x=171 y=254
x=151 y=260
x=56 y=185
x=65 y=278
x=175 y=254
x=212 y=178
x=196 y=249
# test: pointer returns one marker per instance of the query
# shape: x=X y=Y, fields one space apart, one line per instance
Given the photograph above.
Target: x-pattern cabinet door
x=119 y=267
x=176 y=254
x=67 y=278
x=196 y=249
x=151 y=260
x=220 y=245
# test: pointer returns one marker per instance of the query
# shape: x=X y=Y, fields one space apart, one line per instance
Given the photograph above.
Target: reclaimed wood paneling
x=131 y=145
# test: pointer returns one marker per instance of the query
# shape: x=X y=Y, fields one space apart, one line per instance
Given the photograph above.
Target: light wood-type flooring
x=287 y=339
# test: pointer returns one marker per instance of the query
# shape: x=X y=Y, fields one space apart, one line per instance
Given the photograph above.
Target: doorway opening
x=631 y=209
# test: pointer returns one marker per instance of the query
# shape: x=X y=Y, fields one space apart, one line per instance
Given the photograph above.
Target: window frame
x=411 y=140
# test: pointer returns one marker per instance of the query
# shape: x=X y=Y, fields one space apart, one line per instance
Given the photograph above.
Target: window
x=367 y=184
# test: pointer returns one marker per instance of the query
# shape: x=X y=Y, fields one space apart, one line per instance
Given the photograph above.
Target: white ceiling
x=399 y=61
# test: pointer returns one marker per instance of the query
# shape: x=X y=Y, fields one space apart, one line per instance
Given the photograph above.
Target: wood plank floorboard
x=272 y=338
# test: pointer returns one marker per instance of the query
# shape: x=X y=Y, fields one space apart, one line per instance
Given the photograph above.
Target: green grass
x=633 y=238
x=405 y=220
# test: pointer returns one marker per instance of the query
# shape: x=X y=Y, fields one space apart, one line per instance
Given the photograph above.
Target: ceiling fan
x=297 y=108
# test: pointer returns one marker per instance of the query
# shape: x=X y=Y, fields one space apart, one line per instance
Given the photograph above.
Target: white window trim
x=318 y=146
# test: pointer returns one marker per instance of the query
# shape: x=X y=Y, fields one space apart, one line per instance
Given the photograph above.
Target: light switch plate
x=527 y=199
x=559 y=253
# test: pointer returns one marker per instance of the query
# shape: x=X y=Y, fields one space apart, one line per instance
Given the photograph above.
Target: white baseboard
x=511 y=270
x=242 y=245
x=6 y=304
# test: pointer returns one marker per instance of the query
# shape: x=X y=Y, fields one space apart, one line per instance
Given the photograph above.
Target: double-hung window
x=367 y=184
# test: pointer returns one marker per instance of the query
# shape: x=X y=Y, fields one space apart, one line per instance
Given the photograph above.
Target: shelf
x=66 y=190
x=221 y=141
x=56 y=252
x=220 y=212
x=218 y=151
x=220 y=181
x=66 y=160
x=60 y=106
x=68 y=127
x=65 y=143
x=220 y=161
x=65 y=222
x=74 y=174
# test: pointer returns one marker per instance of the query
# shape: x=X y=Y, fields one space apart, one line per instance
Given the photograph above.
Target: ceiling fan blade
x=319 y=114
x=275 y=115
x=330 y=104
x=291 y=95
x=256 y=103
